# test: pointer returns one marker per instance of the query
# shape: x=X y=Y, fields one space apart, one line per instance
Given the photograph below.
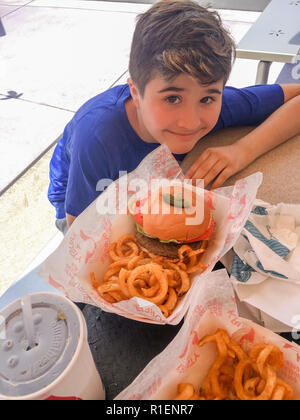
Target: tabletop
x=143 y=342
x=280 y=167
x=275 y=35
x=122 y=347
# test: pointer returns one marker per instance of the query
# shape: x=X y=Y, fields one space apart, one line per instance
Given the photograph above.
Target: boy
x=180 y=60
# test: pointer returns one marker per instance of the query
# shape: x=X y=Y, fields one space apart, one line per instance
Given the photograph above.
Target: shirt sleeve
x=58 y=173
x=58 y=180
x=249 y=106
x=88 y=166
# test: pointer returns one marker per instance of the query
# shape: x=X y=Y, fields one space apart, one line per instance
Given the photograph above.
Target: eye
x=173 y=99
x=207 y=100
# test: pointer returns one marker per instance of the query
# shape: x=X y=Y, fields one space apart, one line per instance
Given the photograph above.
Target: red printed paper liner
x=212 y=307
x=85 y=248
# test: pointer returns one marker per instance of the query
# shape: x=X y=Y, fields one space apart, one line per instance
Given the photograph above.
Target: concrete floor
x=54 y=56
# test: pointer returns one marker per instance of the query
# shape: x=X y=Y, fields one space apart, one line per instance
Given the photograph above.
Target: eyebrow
x=177 y=89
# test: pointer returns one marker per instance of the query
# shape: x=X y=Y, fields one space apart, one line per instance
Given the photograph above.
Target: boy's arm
x=223 y=162
x=70 y=219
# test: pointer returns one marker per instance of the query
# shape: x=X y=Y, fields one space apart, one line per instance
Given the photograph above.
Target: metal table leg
x=262 y=72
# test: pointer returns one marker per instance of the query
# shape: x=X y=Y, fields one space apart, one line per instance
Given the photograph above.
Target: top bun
x=178 y=212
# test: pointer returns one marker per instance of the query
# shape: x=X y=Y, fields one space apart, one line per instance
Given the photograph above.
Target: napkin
x=265 y=269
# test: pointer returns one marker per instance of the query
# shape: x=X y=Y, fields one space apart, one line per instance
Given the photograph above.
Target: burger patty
x=169 y=249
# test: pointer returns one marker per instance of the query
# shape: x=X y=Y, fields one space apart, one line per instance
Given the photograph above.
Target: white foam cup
x=44 y=351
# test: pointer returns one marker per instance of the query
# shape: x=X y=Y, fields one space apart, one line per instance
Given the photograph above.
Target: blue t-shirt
x=99 y=141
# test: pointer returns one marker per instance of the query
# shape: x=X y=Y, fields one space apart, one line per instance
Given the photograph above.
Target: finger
x=198 y=163
x=204 y=168
x=215 y=170
x=219 y=181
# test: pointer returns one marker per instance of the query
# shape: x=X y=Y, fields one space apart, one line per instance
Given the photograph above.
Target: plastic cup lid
x=57 y=328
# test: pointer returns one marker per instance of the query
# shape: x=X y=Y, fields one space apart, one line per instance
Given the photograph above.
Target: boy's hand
x=220 y=163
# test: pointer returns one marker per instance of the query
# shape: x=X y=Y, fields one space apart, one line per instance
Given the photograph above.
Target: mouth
x=186 y=134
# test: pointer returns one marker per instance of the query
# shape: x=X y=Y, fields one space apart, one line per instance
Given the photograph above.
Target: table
x=118 y=360
x=121 y=347
x=280 y=166
x=274 y=36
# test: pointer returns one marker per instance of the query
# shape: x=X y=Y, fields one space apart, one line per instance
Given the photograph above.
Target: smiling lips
x=184 y=134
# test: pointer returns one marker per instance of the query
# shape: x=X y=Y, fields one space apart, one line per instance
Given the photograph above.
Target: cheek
x=212 y=116
x=158 y=118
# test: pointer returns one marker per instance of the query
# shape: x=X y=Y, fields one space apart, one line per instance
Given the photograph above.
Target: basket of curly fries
x=218 y=356
x=150 y=277
x=141 y=252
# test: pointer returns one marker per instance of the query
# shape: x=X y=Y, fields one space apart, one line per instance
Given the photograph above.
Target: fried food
x=137 y=272
x=236 y=375
x=186 y=391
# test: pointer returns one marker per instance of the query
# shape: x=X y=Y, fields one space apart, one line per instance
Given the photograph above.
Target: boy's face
x=176 y=113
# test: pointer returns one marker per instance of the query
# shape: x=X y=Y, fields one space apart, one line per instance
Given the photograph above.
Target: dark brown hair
x=179 y=36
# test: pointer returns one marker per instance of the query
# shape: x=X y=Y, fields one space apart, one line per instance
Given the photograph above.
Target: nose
x=189 y=118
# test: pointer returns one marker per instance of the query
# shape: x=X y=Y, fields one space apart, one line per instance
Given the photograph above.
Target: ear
x=135 y=94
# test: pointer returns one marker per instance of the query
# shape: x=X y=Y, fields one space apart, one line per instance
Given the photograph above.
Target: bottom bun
x=169 y=250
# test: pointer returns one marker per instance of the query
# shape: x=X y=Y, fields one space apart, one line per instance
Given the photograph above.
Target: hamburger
x=170 y=217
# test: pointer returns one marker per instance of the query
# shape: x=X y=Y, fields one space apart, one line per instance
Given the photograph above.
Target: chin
x=181 y=149
x=181 y=146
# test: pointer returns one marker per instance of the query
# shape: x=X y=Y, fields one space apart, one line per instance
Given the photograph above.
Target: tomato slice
x=205 y=235
x=138 y=217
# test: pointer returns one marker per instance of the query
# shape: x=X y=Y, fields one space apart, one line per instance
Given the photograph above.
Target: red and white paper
x=212 y=306
x=85 y=248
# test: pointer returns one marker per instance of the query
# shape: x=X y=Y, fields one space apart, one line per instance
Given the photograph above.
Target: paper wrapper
x=261 y=272
x=212 y=307
x=85 y=248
